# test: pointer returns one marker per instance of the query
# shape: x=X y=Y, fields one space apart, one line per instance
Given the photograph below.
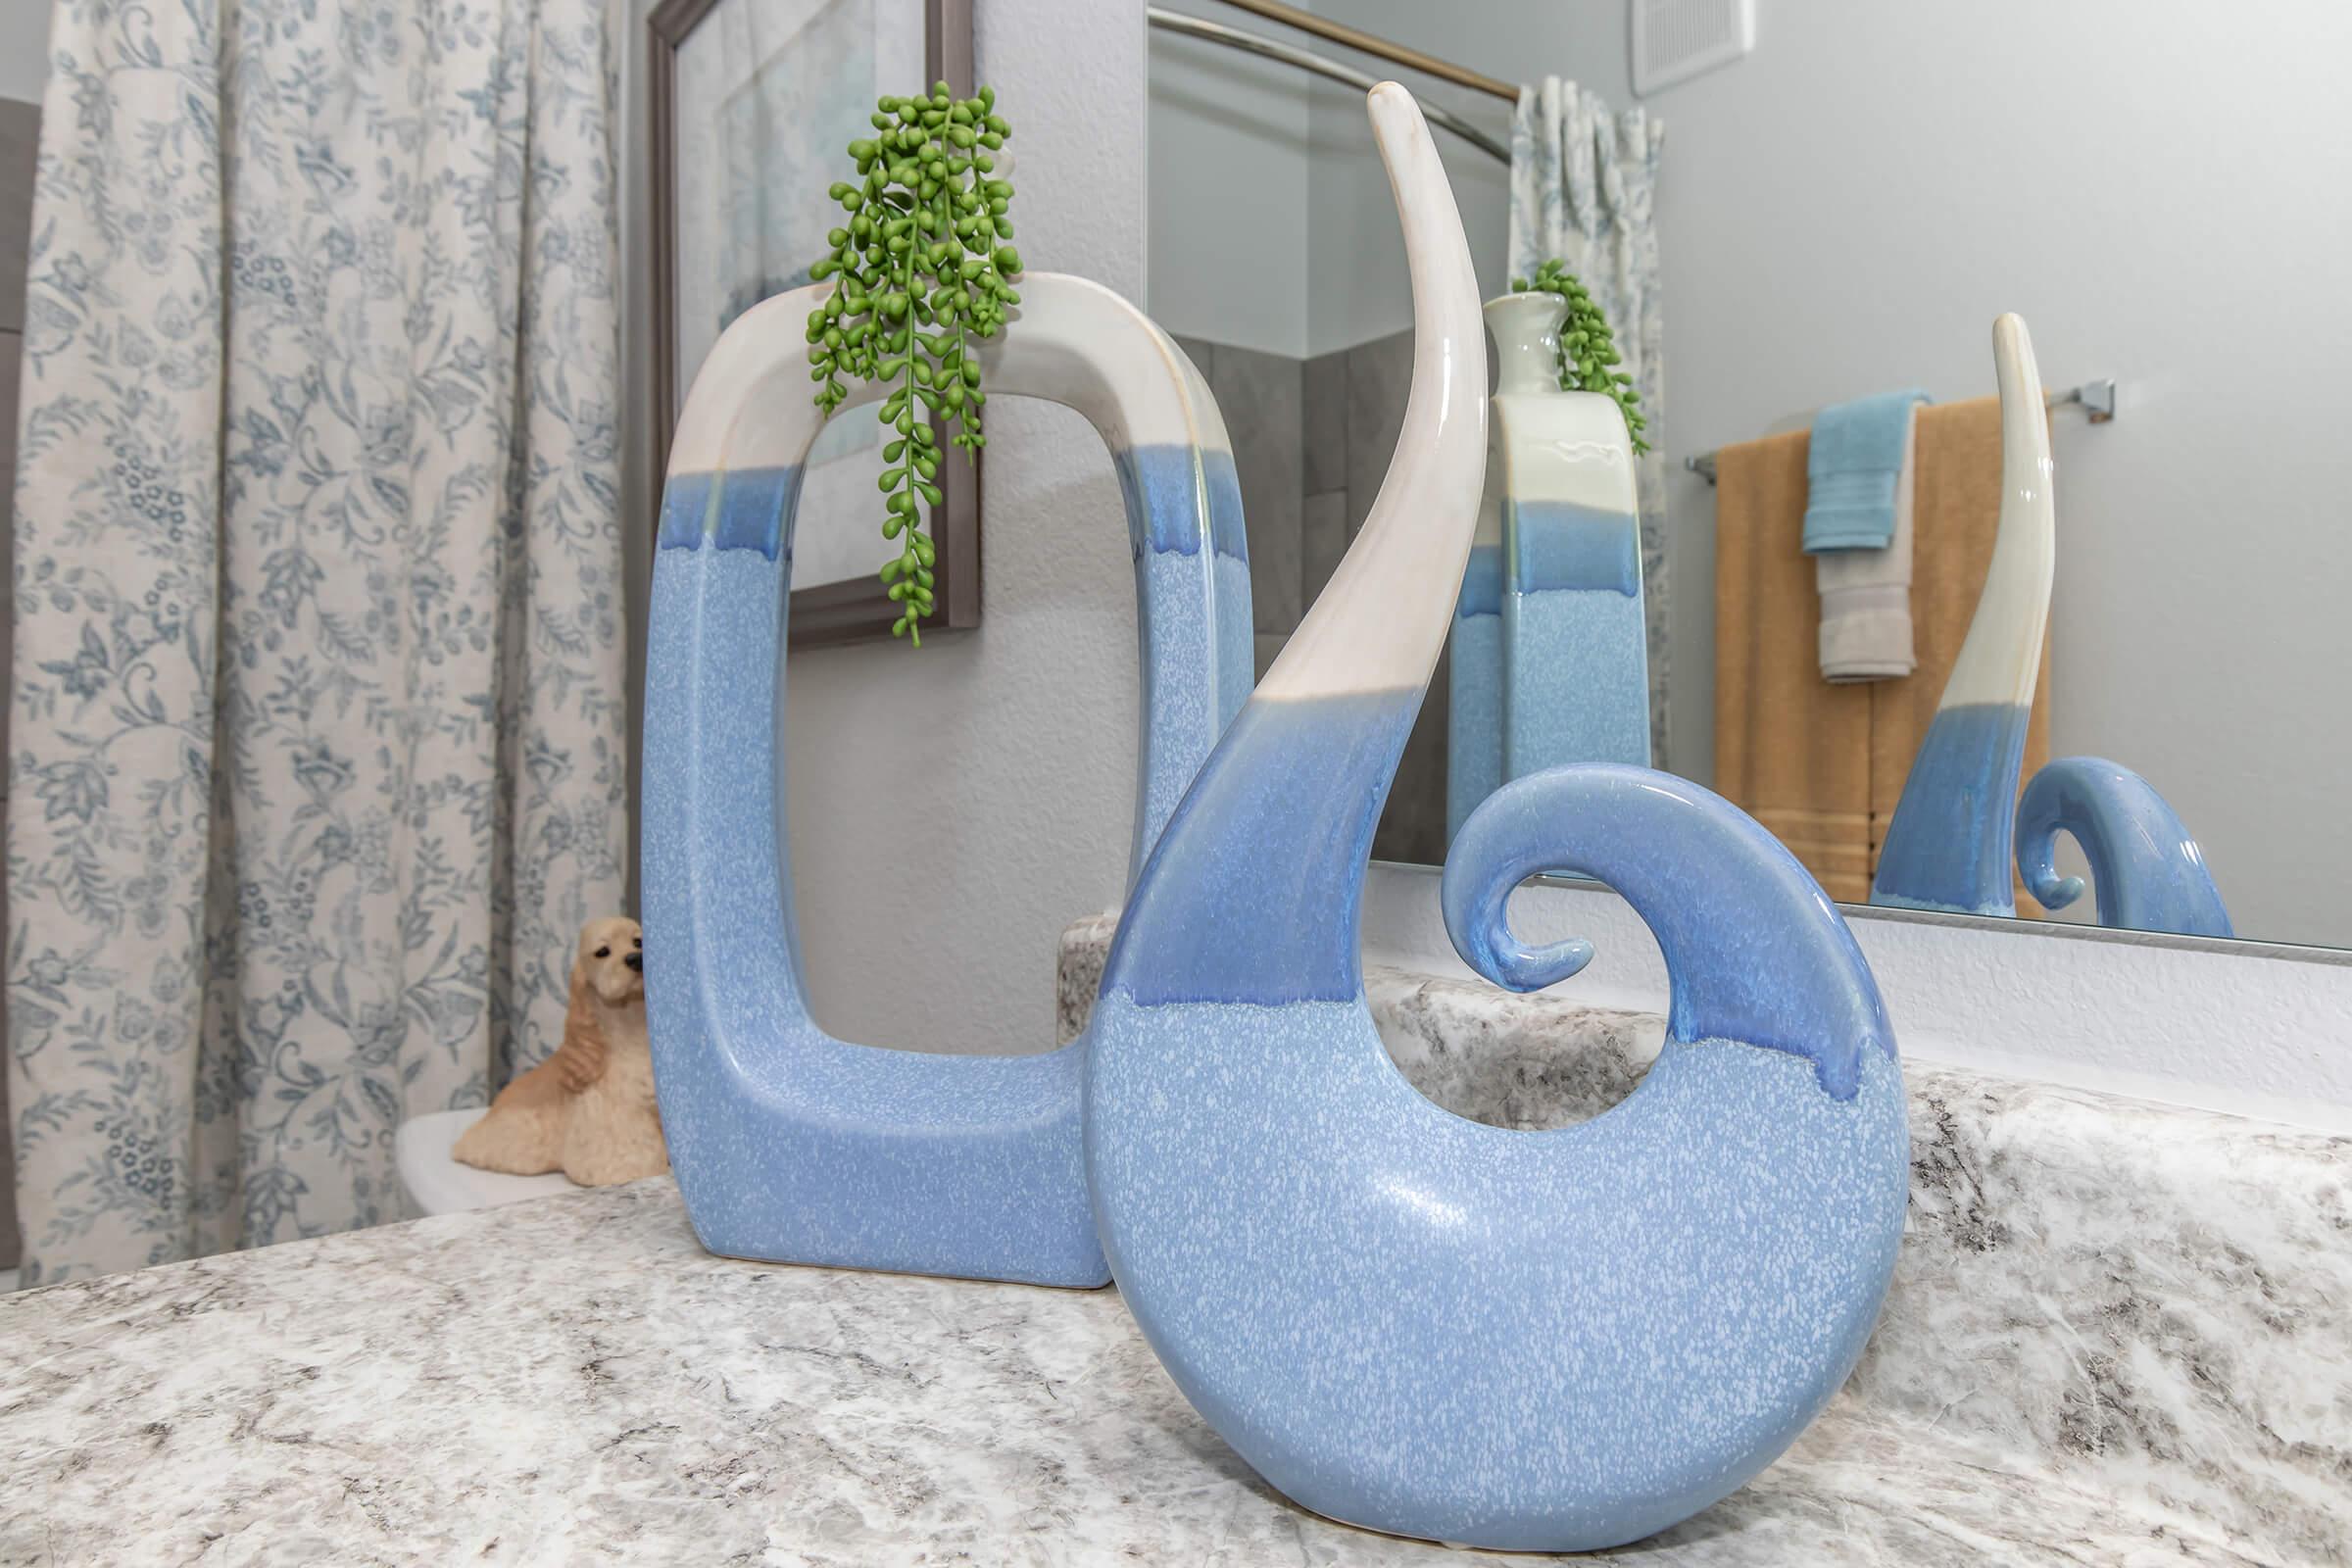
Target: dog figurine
x=587 y=1110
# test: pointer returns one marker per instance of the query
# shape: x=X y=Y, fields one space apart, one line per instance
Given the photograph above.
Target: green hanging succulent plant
x=922 y=262
x=1587 y=353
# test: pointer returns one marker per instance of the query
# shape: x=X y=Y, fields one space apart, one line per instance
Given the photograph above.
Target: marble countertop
x=573 y=1380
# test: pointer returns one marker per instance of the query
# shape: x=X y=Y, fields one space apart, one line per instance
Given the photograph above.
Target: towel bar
x=2097 y=400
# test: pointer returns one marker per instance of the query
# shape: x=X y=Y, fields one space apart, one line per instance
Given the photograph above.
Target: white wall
x=2159 y=190
x=2156 y=188
x=953 y=808
x=24 y=48
x=1356 y=260
x=1228 y=196
x=1242 y=238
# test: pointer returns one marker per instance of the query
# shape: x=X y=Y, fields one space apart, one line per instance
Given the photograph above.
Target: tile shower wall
x=1312 y=442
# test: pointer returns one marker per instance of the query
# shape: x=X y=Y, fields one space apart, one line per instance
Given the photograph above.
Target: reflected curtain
x=319 y=752
x=1583 y=188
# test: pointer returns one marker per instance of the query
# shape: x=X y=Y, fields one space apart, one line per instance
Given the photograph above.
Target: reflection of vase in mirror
x=1948 y=845
x=1474 y=689
x=2149 y=872
x=1576 y=657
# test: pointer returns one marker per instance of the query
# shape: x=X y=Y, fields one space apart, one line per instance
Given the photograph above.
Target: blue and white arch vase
x=1948 y=845
x=1401 y=1318
x=790 y=1145
x=2149 y=873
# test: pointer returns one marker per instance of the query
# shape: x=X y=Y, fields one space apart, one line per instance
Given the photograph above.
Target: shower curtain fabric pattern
x=1583 y=188
x=319 y=750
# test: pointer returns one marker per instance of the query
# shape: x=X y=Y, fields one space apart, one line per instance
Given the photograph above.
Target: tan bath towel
x=1790 y=749
x=1820 y=765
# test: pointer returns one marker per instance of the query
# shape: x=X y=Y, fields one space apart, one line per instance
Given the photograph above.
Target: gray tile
x=1275 y=602
x=1322 y=541
x=1323 y=400
x=1202 y=352
x=1380 y=377
x=1412 y=828
x=1269 y=643
x=20 y=146
x=1258 y=394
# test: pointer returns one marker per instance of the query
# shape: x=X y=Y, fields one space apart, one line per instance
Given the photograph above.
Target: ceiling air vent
x=1675 y=40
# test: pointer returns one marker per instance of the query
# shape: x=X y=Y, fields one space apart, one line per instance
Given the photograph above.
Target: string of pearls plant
x=922 y=266
x=1587 y=353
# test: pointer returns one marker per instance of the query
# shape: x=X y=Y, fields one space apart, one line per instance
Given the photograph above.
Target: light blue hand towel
x=1858 y=453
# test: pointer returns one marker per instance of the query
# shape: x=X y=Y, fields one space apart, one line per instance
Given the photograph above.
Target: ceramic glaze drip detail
x=1163 y=486
x=1948 y=845
x=2149 y=874
x=746 y=508
x=1558 y=544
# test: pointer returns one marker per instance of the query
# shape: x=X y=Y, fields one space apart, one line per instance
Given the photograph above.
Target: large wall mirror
x=1834 y=216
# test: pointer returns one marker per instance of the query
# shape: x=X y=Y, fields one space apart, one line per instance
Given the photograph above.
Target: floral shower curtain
x=318 y=749
x=1583 y=187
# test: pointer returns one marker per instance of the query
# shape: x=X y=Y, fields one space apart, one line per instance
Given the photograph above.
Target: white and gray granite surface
x=573 y=1380
x=2119 y=1334
x=2140 y=1296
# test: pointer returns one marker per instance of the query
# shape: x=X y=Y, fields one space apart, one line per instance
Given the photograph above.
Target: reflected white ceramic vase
x=1961 y=818
x=1551 y=658
x=1948 y=845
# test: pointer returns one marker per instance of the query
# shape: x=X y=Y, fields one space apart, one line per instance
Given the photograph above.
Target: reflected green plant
x=1588 y=357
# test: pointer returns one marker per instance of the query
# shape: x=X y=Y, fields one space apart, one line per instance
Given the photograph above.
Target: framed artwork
x=753 y=104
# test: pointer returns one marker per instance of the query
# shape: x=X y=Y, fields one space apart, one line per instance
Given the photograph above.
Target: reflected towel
x=1822 y=766
x=1789 y=749
x=1866 y=594
x=1852 y=468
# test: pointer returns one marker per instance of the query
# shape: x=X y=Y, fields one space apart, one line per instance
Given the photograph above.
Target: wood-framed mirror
x=754 y=102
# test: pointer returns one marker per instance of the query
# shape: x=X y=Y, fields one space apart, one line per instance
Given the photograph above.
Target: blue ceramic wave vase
x=2149 y=873
x=1406 y=1320
x=790 y=1145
